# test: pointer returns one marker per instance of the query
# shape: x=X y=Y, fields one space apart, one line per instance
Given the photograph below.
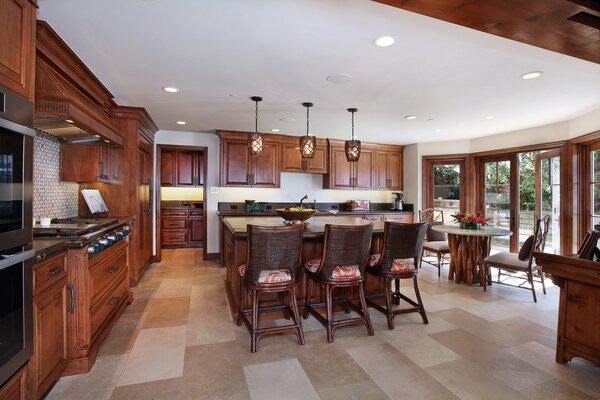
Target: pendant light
x=308 y=143
x=352 y=147
x=256 y=139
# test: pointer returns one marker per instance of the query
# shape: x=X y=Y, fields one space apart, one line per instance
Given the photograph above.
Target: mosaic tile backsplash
x=51 y=197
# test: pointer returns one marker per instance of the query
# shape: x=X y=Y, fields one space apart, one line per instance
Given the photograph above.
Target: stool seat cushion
x=268 y=276
x=509 y=260
x=399 y=265
x=339 y=271
x=438 y=245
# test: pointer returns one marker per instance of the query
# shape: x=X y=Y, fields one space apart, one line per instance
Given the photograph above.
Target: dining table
x=468 y=249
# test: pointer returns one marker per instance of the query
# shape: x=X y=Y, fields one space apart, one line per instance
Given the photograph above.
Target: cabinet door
x=105 y=164
x=318 y=164
x=16 y=388
x=168 y=168
x=265 y=171
x=199 y=168
x=340 y=173
x=17 y=46
x=235 y=163
x=382 y=168
x=374 y=217
x=395 y=167
x=185 y=168
x=50 y=333
x=364 y=172
x=196 y=231
x=291 y=159
x=116 y=155
x=405 y=218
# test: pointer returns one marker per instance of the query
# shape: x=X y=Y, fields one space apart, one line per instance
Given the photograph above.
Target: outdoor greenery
x=446 y=181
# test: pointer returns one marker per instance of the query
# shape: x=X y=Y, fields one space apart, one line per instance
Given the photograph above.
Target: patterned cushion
x=345 y=272
x=242 y=269
x=403 y=266
x=313 y=265
x=373 y=260
x=274 y=276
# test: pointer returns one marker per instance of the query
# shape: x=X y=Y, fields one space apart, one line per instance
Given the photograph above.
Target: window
x=444 y=188
x=595 y=187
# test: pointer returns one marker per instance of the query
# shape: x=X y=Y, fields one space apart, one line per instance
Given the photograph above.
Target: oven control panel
x=108 y=240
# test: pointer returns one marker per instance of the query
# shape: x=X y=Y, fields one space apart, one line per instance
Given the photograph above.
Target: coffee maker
x=398 y=203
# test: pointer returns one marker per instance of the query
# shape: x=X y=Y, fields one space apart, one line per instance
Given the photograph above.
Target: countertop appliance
x=71 y=227
x=16 y=220
x=398 y=202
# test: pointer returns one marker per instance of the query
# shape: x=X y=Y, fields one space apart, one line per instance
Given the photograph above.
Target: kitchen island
x=235 y=248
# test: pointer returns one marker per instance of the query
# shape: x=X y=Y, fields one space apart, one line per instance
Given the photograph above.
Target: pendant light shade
x=352 y=147
x=308 y=143
x=256 y=140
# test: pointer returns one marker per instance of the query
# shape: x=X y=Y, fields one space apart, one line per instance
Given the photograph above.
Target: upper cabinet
x=182 y=168
x=292 y=161
x=17 y=46
x=389 y=168
x=350 y=175
x=89 y=163
x=239 y=168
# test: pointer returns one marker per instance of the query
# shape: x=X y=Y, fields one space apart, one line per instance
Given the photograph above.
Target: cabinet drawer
x=103 y=273
x=174 y=237
x=108 y=303
x=174 y=223
x=48 y=272
x=374 y=217
x=406 y=218
x=174 y=213
x=196 y=213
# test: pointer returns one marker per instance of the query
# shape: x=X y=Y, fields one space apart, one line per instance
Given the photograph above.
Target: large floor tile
x=367 y=390
x=158 y=340
x=209 y=325
x=167 y=312
x=421 y=349
x=554 y=390
x=147 y=367
x=279 y=380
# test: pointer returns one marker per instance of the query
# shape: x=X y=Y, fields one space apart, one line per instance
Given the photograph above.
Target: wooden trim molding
x=427 y=183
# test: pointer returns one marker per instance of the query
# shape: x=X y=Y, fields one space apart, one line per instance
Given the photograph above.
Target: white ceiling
x=221 y=52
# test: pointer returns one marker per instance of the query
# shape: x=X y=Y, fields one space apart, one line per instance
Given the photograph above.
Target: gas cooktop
x=71 y=227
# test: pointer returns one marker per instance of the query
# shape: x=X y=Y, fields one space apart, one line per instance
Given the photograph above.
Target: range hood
x=70 y=102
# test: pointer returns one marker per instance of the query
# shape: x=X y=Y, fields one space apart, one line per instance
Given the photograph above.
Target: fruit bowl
x=295 y=216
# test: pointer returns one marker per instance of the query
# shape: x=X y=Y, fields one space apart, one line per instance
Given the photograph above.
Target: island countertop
x=315 y=227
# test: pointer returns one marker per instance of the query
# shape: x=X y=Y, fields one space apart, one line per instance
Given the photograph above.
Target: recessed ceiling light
x=69 y=121
x=274 y=130
x=384 y=41
x=107 y=141
x=410 y=117
x=461 y=124
x=170 y=89
x=489 y=117
x=532 y=75
x=180 y=122
x=438 y=130
x=339 y=78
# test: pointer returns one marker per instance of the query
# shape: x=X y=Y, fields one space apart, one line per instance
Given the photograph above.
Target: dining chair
x=272 y=264
x=342 y=265
x=515 y=264
x=437 y=242
x=400 y=254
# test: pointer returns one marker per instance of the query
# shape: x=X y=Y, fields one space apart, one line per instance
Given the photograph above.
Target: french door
x=547 y=193
x=498 y=197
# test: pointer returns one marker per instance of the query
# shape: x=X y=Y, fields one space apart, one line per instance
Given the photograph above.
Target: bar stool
x=342 y=265
x=402 y=249
x=271 y=266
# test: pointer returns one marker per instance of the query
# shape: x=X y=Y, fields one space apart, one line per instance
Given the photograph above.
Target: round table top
x=488 y=231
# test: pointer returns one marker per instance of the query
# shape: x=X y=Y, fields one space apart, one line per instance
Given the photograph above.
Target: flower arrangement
x=470 y=221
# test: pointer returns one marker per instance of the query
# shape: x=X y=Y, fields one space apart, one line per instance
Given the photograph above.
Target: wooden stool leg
x=329 y=311
x=307 y=301
x=296 y=316
x=363 y=304
x=347 y=303
x=240 y=303
x=253 y=339
x=397 y=291
x=439 y=264
x=542 y=279
x=420 y=301
x=286 y=301
x=387 y=283
x=530 y=278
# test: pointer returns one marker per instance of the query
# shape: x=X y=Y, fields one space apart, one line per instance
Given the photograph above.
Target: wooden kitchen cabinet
x=389 y=169
x=168 y=168
x=406 y=218
x=182 y=228
x=51 y=302
x=190 y=168
x=196 y=228
x=88 y=163
x=17 y=46
x=292 y=161
x=347 y=175
x=239 y=168
x=17 y=387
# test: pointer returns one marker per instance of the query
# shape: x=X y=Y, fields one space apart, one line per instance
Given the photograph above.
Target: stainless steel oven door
x=16 y=192
x=16 y=312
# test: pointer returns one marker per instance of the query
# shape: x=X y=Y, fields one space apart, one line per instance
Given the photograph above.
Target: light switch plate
x=214 y=190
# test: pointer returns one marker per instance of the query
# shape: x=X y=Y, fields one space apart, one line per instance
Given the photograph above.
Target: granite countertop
x=315 y=228
x=45 y=247
x=319 y=213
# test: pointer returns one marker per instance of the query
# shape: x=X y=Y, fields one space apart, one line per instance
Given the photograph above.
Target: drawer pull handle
x=54 y=271
x=113 y=270
x=115 y=301
x=72 y=305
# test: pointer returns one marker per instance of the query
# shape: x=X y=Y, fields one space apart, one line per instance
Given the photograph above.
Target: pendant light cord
x=307 y=109
x=256 y=117
x=352 y=125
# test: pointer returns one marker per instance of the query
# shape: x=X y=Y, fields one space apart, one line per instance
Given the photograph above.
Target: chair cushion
x=274 y=276
x=506 y=259
x=345 y=272
x=437 y=246
x=373 y=260
x=313 y=265
x=242 y=269
x=434 y=236
x=403 y=266
x=526 y=249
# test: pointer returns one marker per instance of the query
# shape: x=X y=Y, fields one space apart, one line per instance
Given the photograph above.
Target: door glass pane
x=596 y=165
x=555 y=171
x=550 y=201
x=446 y=189
x=527 y=192
x=595 y=187
x=497 y=199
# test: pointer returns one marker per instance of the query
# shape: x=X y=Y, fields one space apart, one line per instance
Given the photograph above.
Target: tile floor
x=177 y=341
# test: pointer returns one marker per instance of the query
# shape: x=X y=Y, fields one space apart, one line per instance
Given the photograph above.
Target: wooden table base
x=466 y=258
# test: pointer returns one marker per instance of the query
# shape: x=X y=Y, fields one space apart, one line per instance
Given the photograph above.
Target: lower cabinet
x=51 y=301
x=16 y=387
x=182 y=228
